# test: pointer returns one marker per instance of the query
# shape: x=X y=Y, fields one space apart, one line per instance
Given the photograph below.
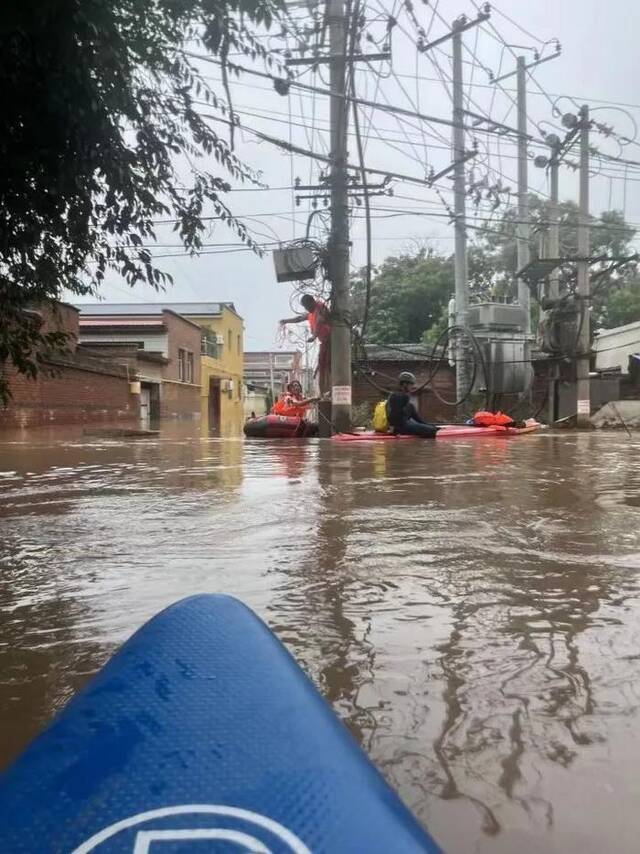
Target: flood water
x=471 y=608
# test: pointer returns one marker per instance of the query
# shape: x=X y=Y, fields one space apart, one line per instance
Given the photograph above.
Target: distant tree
x=408 y=293
x=493 y=256
x=100 y=134
x=622 y=305
x=438 y=327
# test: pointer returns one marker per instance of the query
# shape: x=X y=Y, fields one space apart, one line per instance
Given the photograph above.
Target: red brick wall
x=178 y=399
x=73 y=395
x=182 y=334
x=61 y=318
x=58 y=317
x=386 y=373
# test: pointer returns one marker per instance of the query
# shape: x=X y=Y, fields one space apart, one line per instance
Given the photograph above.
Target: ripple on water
x=470 y=609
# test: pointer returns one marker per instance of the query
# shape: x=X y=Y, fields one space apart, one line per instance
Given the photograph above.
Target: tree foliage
x=408 y=293
x=101 y=136
x=493 y=256
x=623 y=304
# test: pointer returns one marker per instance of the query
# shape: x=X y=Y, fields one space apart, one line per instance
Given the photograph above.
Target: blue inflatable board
x=201 y=735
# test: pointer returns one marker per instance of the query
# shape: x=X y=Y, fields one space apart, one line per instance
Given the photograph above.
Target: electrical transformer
x=499 y=331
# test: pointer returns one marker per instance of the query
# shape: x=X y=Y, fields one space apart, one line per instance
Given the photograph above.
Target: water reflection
x=470 y=608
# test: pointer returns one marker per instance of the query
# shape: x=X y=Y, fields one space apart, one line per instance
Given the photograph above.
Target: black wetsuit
x=404 y=419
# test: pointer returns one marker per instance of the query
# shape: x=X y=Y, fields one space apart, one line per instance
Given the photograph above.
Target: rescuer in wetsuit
x=402 y=415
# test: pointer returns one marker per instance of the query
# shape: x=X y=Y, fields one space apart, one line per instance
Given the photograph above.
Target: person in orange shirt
x=317 y=316
x=292 y=404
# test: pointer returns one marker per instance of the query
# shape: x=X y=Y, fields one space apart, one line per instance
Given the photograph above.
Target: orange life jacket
x=492 y=419
x=318 y=323
x=287 y=406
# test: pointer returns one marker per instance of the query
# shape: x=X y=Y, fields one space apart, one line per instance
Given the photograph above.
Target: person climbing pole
x=317 y=316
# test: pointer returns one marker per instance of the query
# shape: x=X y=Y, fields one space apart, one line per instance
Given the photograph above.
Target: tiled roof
x=398 y=352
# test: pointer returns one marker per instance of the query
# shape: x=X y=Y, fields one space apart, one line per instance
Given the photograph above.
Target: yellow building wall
x=229 y=366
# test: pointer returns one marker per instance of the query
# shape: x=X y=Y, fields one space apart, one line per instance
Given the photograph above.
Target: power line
x=606 y=102
x=361 y=101
x=281 y=143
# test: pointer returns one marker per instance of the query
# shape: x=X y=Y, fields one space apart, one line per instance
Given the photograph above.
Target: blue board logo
x=146 y=832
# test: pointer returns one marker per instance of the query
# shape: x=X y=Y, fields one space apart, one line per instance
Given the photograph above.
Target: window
x=185 y=366
x=229 y=340
x=239 y=344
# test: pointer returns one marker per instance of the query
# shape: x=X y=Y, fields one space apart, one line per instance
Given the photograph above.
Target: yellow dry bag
x=380 y=420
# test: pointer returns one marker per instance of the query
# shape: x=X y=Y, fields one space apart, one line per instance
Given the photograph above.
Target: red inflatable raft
x=279 y=427
x=451 y=431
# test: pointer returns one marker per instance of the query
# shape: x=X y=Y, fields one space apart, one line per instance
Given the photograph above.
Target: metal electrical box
x=496 y=315
x=294 y=264
x=507 y=370
x=560 y=329
x=499 y=330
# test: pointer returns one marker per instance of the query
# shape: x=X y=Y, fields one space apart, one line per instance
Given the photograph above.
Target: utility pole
x=339 y=237
x=553 y=246
x=460 y=157
x=584 y=284
x=523 y=231
x=273 y=393
x=524 y=226
x=553 y=251
x=459 y=189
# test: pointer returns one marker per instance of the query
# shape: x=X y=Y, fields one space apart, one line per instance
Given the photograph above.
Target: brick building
x=73 y=386
x=380 y=366
x=160 y=348
x=222 y=360
x=380 y=369
x=264 y=370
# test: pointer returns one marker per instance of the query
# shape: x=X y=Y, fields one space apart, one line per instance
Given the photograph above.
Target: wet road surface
x=469 y=607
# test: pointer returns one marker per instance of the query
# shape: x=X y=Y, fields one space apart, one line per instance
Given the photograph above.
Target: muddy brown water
x=470 y=608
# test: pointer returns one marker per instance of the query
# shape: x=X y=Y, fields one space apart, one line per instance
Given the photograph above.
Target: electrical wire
x=389 y=108
x=363 y=175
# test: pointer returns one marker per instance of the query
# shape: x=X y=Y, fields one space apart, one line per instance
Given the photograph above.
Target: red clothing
x=318 y=322
x=288 y=406
x=492 y=419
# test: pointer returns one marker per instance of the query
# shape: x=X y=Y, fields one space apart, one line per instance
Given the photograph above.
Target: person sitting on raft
x=402 y=415
x=292 y=404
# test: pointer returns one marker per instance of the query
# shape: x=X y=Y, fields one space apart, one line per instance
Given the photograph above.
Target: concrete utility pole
x=553 y=251
x=339 y=238
x=273 y=391
x=523 y=230
x=584 y=284
x=553 y=246
x=459 y=189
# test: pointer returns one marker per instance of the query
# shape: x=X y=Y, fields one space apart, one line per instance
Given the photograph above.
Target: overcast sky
x=598 y=65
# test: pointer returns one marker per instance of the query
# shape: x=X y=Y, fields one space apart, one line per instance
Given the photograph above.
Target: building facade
x=257 y=402
x=379 y=371
x=222 y=363
x=617 y=348
x=160 y=348
x=76 y=385
x=270 y=372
